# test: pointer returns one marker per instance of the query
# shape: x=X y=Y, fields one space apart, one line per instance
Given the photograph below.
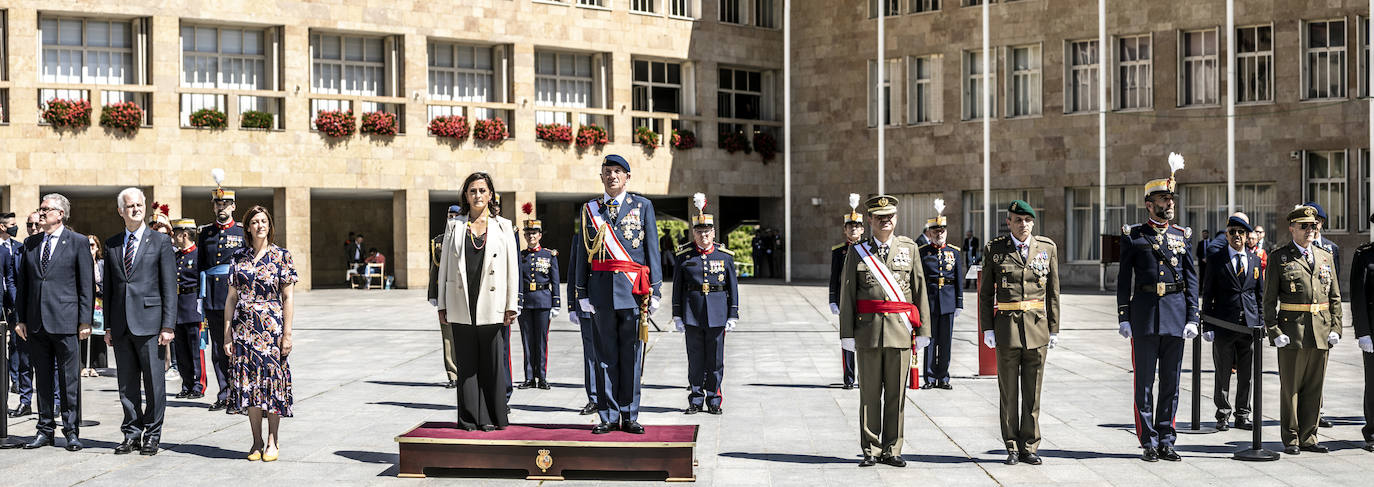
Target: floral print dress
x=259 y=375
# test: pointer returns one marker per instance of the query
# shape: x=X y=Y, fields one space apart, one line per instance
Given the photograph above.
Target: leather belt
x=704 y=288
x=1161 y=288
x=1305 y=308
x=538 y=286
x=941 y=282
x=1021 y=305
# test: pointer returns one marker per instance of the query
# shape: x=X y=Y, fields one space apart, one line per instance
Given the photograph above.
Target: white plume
x=1175 y=162
x=939 y=206
x=699 y=200
x=218 y=175
x=854 y=201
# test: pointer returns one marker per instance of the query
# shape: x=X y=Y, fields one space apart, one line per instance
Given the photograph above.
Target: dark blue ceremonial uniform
x=837 y=254
x=944 y=271
x=705 y=296
x=216 y=246
x=1232 y=296
x=538 y=297
x=592 y=374
x=616 y=309
x=186 y=345
x=1157 y=293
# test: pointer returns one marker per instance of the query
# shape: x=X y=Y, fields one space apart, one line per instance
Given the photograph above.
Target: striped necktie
x=129 y=249
x=47 y=253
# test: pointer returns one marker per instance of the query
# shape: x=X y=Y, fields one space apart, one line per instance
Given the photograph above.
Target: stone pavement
x=367 y=367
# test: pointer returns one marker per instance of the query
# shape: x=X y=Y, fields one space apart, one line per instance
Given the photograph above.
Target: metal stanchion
x=1196 y=425
x=4 y=379
x=1256 y=452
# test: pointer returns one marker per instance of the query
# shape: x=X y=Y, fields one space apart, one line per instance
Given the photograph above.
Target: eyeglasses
x=43 y=209
x=1307 y=226
x=1236 y=231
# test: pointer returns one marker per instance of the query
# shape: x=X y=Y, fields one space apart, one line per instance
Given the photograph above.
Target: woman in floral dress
x=258 y=336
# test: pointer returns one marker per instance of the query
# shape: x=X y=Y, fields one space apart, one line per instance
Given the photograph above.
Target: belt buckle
x=532 y=286
x=705 y=288
x=1314 y=308
x=1159 y=289
x=941 y=282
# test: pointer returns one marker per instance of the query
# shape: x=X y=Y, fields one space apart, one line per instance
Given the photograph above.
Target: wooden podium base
x=545 y=451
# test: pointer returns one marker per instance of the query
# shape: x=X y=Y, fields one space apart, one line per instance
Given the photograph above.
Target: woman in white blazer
x=479 y=281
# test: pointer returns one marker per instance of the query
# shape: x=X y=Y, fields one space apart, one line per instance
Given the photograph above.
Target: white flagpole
x=787 y=138
x=879 y=109
x=988 y=214
x=1231 y=107
x=1102 y=50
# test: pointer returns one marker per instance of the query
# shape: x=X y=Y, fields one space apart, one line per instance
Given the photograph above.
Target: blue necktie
x=129 y=249
x=46 y=253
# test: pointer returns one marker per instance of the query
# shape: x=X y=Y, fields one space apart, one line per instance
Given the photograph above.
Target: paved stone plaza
x=368 y=367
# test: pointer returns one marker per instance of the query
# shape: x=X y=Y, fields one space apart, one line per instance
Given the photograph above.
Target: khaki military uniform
x=1302 y=301
x=435 y=249
x=882 y=341
x=1018 y=300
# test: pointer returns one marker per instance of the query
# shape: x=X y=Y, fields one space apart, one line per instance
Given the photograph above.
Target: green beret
x=1020 y=207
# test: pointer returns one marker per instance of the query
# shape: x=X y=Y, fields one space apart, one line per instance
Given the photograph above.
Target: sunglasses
x=1236 y=231
x=1307 y=226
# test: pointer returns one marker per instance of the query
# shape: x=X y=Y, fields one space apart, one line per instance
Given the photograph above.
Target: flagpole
x=787 y=138
x=1102 y=50
x=882 y=122
x=1231 y=108
x=988 y=214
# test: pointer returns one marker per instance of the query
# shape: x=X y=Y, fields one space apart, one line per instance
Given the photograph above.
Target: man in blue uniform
x=592 y=375
x=1157 y=308
x=1232 y=289
x=538 y=304
x=618 y=238
x=186 y=345
x=943 y=265
x=705 y=307
x=215 y=250
x=853 y=231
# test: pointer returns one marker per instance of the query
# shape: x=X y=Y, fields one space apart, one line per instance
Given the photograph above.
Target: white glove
x=1366 y=345
x=572 y=317
x=586 y=305
x=1190 y=331
x=834 y=309
x=847 y=344
x=957 y=311
x=553 y=313
x=1125 y=329
x=1054 y=340
x=1208 y=335
x=677 y=324
x=730 y=325
x=434 y=303
x=1333 y=339
x=1281 y=341
x=989 y=339
x=922 y=342
x=653 y=305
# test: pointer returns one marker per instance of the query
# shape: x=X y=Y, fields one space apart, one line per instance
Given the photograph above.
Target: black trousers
x=534 y=335
x=481 y=355
x=936 y=361
x=218 y=362
x=57 y=370
x=1154 y=422
x=506 y=373
x=142 y=369
x=847 y=365
x=705 y=364
x=1368 y=429
x=1232 y=350
x=190 y=360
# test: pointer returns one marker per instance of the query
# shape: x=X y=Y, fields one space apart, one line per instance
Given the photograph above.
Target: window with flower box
x=463 y=75
x=234 y=58
x=95 y=51
x=657 y=87
x=739 y=96
x=358 y=72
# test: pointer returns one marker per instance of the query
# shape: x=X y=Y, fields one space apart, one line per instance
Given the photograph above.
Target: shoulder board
x=554 y=252
x=905 y=239
x=837 y=247
x=1324 y=251
x=1000 y=238
x=1126 y=229
x=1044 y=239
x=1365 y=247
x=1187 y=231
x=955 y=247
x=726 y=251
x=922 y=248
x=682 y=250
x=204 y=227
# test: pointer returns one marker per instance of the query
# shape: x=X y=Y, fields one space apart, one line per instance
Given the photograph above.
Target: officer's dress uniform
x=1302 y=301
x=943 y=267
x=217 y=244
x=1232 y=288
x=837 y=255
x=539 y=296
x=436 y=246
x=1362 y=309
x=705 y=296
x=1018 y=297
x=593 y=376
x=1157 y=293
x=190 y=359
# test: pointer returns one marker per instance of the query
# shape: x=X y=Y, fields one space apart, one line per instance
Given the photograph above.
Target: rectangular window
x=920 y=6
x=657 y=86
x=1324 y=60
x=348 y=65
x=1198 y=79
x=1081 y=91
x=87 y=51
x=1203 y=207
x=888 y=102
x=973 y=85
x=975 y=3
x=459 y=72
x=763 y=14
x=1324 y=179
x=1255 y=64
x=893 y=8
x=1363 y=75
x=646 y=6
x=4 y=54
x=729 y=11
x=1124 y=205
x=1023 y=94
x=1363 y=190
x=232 y=58
x=1134 y=82
x=1001 y=199
x=563 y=79
x=592 y=3
x=680 y=8
x=923 y=76
x=740 y=94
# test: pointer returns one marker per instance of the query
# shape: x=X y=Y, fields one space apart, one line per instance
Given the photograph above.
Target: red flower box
x=126 y=116
x=379 y=123
x=766 y=146
x=490 y=130
x=734 y=142
x=647 y=137
x=72 y=114
x=683 y=139
x=589 y=135
x=455 y=126
x=554 y=132
x=336 y=123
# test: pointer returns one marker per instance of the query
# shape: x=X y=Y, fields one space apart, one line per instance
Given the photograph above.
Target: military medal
x=1292 y=287
x=1042 y=281
x=1173 y=261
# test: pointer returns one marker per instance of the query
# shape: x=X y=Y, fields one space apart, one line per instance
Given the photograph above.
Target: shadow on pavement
x=789 y=458
x=416 y=405
x=800 y=386
x=369 y=456
x=206 y=451
x=543 y=409
x=405 y=384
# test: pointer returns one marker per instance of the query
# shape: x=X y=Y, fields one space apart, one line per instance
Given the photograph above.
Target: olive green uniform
x=1303 y=301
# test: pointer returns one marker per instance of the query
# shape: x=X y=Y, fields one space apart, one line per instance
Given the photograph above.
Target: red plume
x=527 y=208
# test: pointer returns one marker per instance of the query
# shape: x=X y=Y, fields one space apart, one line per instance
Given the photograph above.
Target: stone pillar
x=410 y=229
x=165 y=70
x=292 y=222
x=296 y=81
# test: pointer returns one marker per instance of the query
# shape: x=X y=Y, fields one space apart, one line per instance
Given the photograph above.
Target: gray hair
x=62 y=204
x=127 y=192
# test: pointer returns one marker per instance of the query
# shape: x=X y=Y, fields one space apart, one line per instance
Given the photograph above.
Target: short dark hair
x=357 y=236
x=252 y=212
x=7 y=215
x=472 y=178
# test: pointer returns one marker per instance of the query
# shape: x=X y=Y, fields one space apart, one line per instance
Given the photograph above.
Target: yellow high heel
x=255 y=456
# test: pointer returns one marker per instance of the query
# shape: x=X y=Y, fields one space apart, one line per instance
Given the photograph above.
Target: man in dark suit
x=971 y=256
x=55 y=303
x=1232 y=288
x=21 y=370
x=140 y=296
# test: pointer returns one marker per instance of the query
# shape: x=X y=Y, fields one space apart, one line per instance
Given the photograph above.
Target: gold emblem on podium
x=543 y=461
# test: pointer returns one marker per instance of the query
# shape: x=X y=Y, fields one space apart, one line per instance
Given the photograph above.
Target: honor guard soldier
x=1361 y=285
x=1157 y=308
x=618 y=239
x=1018 y=298
x=943 y=266
x=1232 y=288
x=216 y=246
x=436 y=245
x=705 y=307
x=539 y=303
x=592 y=374
x=853 y=231
x=186 y=344
x=1302 y=313
x=882 y=312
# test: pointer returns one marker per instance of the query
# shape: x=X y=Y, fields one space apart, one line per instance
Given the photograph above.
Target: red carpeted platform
x=545 y=451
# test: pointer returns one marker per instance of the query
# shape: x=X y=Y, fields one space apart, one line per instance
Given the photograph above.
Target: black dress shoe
x=847 y=387
x=632 y=427
x=692 y=409
x=1167 y=453
x=149 y=447
x=1031 y=459
x=928 y=385
x=1325 y=423
x=1291 y=450
x=590 y=408
x=1315 y=448
x=73 y=443
x=1223 y=425
x=1244 y=423
x=219 y=405
x=867 y=461
x=21 y=411
x=715 y=410
x=1150 y=455
x=182 y=395
x=128 y=446
x=944 y=385
x=195 y=395
x=525 y=385
x=889 y=459
x=543 y=384
x=488 y=427
x=1368 y=446
x=1012 y=458
x=39 y=441
x=604 y=428
x=453 y=384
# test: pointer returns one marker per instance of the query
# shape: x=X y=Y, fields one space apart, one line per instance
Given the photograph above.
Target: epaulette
x=1044 y=239
x=682 y=250
x=554 y=252
x=1187 y=231
x=728 y=252
x=1126 y=229
x=1000 y=238
x=838 y=247
x=1318 y=247
x=1366 y=246
x=905 y=239
x=955 y=247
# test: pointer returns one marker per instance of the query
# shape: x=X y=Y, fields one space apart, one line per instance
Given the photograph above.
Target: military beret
x=1321 y=213
x=1236 y=221
x=1020 y=207
x=455 y=209
x=615 y=160
x=881 y=205
x=1303 y=214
